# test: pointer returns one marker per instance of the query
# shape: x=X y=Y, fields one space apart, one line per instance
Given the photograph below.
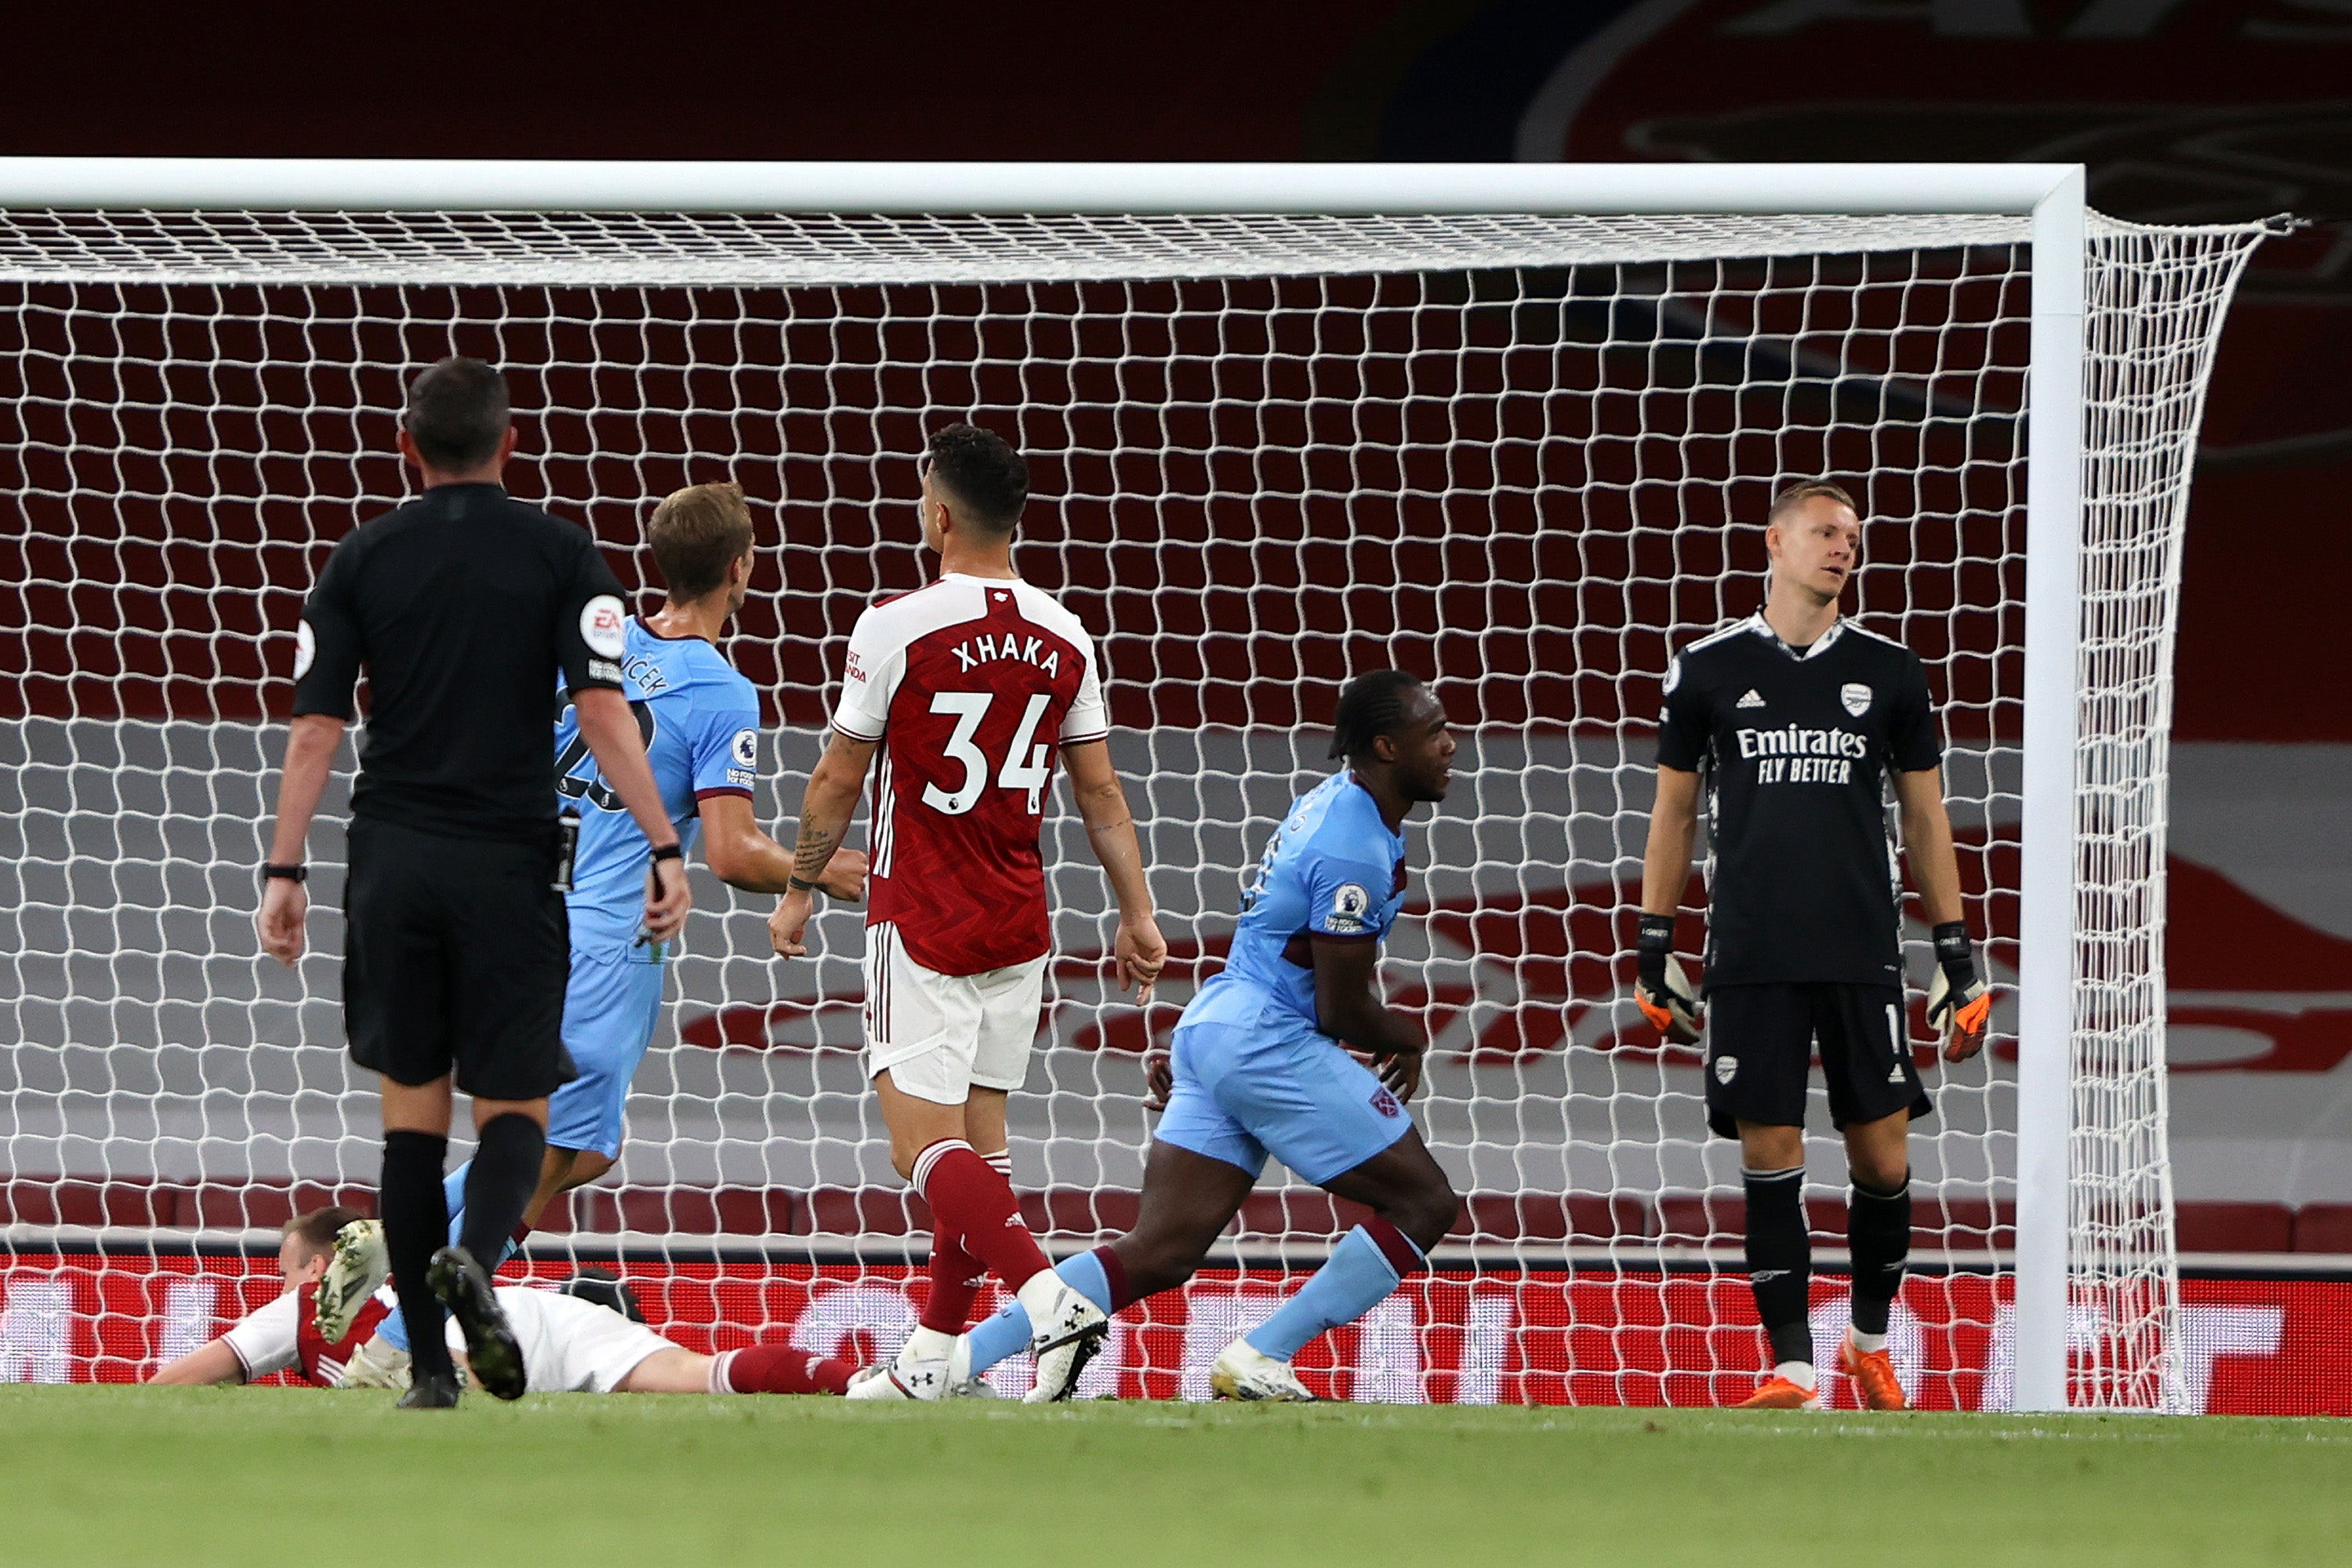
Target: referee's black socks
x=1780 y=1260
x=1878 y=1229
x=415 y=1215
x=500 y=1183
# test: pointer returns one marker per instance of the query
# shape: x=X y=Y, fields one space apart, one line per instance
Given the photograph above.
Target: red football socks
x=973 y=1204
x=956 y=1278
x=956 y=1274
x=779 y=1369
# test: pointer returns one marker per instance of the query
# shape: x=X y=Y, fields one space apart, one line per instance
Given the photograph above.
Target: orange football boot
x=1873 y=1376
x=1779 y=1394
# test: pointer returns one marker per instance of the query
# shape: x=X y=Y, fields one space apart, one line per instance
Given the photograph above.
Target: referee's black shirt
x=1796 y=744
x=464 y=605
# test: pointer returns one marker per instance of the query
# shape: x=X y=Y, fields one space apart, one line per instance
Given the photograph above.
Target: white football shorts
x=939 y=1036
x=569 y=1345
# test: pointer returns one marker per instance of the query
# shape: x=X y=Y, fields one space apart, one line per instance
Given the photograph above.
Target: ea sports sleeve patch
x=591 y=624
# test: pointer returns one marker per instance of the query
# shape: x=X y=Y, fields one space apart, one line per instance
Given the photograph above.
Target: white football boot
x=901 y=1380
x=358 y=1269
x=962 y=1382
x=1242 y=1371
x=1066 y=1330
x=921 y=1370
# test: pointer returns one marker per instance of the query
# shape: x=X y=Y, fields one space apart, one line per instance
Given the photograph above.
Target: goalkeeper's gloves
x=1960 y=1004
x=1663 y=992
x=376 y=1364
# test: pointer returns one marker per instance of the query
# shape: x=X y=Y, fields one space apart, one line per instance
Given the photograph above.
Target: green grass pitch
x=265 y=1476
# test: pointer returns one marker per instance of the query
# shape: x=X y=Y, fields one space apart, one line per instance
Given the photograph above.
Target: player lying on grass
x=1794 y=720
x=967 y=689
x=700 y=720
x=1260 y=1063
x=569 y=1345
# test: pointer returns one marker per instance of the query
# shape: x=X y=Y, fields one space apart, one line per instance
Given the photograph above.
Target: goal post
x=2025 y=375
x=2046 y=960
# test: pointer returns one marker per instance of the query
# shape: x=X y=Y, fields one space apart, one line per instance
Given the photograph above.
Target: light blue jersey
x=700 y=720
x=701 y=724
x=1256 y=1073
x=1335 y=868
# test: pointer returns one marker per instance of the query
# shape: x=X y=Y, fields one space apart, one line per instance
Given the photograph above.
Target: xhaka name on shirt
x=983 y=647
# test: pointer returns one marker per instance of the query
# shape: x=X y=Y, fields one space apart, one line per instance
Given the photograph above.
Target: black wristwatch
x=669 y=852
x=288 y=873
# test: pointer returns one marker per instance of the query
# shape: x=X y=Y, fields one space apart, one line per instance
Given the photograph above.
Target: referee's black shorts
x=456 y=954
x=1759 y=1051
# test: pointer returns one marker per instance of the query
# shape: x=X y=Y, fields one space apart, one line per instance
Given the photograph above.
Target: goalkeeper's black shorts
x=455 y=952
x=1759 y=1051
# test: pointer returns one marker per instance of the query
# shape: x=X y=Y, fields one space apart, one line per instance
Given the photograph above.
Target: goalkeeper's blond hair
x=317 y=1229
x=1805 y=491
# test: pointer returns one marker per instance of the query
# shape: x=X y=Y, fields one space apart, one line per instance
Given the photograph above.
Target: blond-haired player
x=1792 y=721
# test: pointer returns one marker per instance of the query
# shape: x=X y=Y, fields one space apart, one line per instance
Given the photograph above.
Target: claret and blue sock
x=1362 y=1271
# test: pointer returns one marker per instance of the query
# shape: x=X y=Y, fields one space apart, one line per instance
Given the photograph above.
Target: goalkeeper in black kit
x=1792 y=721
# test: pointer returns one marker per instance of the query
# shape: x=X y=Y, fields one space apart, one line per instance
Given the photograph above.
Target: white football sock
x=1799 y=1373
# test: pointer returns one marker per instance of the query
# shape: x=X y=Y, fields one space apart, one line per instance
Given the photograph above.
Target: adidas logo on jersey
x=1753 y=699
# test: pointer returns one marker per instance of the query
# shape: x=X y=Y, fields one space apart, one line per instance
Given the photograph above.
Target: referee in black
x=1795 y=719
x=465 y=607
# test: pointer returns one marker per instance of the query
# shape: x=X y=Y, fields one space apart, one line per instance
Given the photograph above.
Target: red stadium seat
x=2235 y=1227
x=1494 y=1216
x=2324 y=1228
x=870 y=1211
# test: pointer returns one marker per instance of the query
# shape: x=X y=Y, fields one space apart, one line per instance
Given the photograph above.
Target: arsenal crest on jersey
x=1856 y=698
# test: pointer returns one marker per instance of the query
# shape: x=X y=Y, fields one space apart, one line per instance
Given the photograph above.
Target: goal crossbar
x=362 y=184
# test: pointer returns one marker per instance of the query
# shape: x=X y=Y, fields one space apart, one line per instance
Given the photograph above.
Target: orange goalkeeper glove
x=1663 y=992
x=1959 y=1006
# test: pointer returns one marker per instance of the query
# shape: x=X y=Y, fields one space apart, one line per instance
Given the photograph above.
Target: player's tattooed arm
x=744 y=858
x=826 y=806
x=814 y=851
x=1348 y=1004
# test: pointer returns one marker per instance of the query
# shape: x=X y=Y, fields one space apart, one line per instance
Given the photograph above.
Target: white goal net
x=1523 y=456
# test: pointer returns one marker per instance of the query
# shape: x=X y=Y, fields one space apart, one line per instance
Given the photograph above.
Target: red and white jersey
x=971 y=685
x=282 y=1335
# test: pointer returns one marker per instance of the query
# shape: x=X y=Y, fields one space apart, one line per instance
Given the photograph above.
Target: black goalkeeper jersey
x=1796 y=744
